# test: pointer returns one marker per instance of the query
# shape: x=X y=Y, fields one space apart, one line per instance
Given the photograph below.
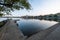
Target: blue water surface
x=32 y=26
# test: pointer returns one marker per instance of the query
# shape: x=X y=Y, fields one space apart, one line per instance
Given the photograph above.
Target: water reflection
x=57 y=20
x=31 y=26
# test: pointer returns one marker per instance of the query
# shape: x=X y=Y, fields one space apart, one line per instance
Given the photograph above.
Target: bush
x=3 y=23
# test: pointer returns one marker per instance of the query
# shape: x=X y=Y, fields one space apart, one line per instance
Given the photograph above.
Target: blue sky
x=40 y=7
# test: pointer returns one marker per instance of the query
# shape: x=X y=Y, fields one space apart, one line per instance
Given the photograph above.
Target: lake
x=32 y=26
x=2 y=19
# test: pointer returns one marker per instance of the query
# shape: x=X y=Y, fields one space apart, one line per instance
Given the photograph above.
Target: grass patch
x=1 y=23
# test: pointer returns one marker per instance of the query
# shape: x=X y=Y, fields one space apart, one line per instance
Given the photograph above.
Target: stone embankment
x=10 y=31
x=52 y=33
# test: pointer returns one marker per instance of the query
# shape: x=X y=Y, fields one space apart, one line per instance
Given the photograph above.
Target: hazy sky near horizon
x=40 y=7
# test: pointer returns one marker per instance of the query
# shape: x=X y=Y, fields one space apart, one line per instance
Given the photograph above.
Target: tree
x=11 y=5
x=1 y=14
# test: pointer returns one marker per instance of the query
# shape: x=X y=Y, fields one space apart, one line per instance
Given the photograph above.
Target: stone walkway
x=52 y=33
x=10 y=31
x=55 y=35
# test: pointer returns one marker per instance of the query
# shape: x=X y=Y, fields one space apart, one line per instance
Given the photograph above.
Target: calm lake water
x=2 y=19
x=31 y=26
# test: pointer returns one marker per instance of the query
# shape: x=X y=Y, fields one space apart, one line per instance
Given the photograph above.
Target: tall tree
x=11 y=5
x=1 y=14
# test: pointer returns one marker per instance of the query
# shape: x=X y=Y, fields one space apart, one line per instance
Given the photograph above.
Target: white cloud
x=41 y=7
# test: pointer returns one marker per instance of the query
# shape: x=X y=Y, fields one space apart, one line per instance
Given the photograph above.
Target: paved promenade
x=55 y=35
x=10 y=31
x=52 y=33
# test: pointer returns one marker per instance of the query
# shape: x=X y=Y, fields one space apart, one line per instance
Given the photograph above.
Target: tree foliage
x=1 y=14
x=11 y=5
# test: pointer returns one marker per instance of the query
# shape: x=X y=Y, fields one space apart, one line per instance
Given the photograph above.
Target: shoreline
x=43 y=34
x=10 y=31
